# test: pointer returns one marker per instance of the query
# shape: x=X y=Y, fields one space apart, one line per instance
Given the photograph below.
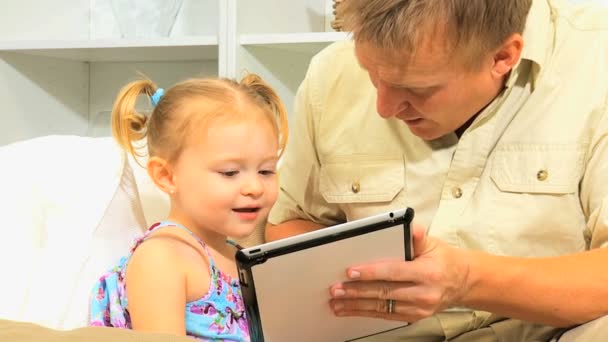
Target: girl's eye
x=267 y=172
x=229 y=173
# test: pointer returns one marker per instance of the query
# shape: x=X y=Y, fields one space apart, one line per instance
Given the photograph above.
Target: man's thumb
x=419 y=239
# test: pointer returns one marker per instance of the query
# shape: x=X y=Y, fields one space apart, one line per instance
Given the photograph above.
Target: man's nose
x=389 y=101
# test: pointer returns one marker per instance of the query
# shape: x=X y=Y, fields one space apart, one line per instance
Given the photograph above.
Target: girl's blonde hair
x=173 y=121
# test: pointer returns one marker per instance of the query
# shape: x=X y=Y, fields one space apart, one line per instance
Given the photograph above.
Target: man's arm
x=559 y=291
x=290 y=228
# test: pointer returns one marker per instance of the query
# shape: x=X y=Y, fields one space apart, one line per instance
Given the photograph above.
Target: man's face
x=431 y=91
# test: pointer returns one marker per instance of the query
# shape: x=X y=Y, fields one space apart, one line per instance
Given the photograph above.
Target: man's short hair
x=468 y=28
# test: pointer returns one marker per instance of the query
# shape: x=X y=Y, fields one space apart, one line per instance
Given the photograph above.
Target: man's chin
x=425 y=133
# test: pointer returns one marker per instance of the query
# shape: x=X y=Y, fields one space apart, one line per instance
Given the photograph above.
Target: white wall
x=41 y=20
x=103 y=23
x=271 y=16
x=41 y=96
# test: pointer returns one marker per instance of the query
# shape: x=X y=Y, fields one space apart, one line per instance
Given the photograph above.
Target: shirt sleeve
x=594 y=187
x=299 y=170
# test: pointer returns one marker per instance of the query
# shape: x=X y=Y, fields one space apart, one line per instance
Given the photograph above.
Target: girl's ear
x=161 y=173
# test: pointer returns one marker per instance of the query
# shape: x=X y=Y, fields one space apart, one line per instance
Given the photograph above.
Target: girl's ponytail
x=264 y=92
x=127 y=124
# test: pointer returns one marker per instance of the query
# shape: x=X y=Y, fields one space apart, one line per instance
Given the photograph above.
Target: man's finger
x=373 y=290
x=376 y=309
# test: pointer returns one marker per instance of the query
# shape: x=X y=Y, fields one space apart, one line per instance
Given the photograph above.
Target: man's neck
x=460 y=131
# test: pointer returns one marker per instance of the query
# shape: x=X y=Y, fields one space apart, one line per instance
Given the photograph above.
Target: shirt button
x=456 y=192
x=542 y=175
x=355 y=187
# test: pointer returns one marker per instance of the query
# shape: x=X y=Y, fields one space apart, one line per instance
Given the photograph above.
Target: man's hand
x=435 y=280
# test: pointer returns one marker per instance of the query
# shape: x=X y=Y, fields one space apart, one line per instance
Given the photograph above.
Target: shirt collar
x=538 y=37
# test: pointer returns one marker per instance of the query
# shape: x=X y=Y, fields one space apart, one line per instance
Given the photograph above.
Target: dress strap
x=166 y=223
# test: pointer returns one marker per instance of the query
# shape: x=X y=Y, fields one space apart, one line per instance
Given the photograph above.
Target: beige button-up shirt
x=529 y=177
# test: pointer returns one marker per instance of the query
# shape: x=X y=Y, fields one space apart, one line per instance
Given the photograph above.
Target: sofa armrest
x=29 y=332
x=596 y=330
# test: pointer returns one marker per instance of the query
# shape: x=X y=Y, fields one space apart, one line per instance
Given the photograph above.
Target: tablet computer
x=285 y=283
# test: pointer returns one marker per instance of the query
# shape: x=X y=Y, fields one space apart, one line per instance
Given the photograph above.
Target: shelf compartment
x=120 y=50
x=302 y=42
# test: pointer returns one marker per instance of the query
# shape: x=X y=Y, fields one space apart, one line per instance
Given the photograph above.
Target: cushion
x=14 y=331
x=70 y=210
x=72 y=206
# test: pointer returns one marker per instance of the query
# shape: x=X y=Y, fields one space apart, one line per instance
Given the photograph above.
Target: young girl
x=213 y=146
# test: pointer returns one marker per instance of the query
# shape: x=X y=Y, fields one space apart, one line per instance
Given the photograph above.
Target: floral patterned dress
x=217 y=316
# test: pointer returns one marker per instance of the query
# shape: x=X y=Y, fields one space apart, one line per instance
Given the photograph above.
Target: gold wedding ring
x=390 y=306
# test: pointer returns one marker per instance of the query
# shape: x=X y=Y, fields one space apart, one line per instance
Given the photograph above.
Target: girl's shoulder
x=168 y=247
x=158 y=254
x=171 y=254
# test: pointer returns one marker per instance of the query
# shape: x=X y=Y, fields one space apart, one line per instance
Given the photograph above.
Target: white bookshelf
x=292 y=38
x=277 y=39
x=62 y=62
x=119 y=50
x=297 y=42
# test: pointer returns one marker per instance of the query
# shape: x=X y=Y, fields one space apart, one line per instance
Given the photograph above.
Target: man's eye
x=426 y=92
x=229 y=173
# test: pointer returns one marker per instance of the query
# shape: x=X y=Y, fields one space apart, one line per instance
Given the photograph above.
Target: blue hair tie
x=158 y=94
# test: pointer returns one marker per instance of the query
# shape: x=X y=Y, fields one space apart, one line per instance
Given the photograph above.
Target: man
x=490 y=119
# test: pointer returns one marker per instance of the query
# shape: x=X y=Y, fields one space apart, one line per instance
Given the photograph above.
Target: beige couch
x=71 y=208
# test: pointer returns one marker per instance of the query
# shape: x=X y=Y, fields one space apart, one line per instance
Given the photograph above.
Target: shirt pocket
x=362 y=179
x=538 y=168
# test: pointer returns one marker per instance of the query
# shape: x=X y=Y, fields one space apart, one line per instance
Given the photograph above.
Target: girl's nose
x=253 y=186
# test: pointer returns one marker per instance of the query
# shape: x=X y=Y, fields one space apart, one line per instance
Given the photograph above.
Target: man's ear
x=161 y=173
x=507 y=55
